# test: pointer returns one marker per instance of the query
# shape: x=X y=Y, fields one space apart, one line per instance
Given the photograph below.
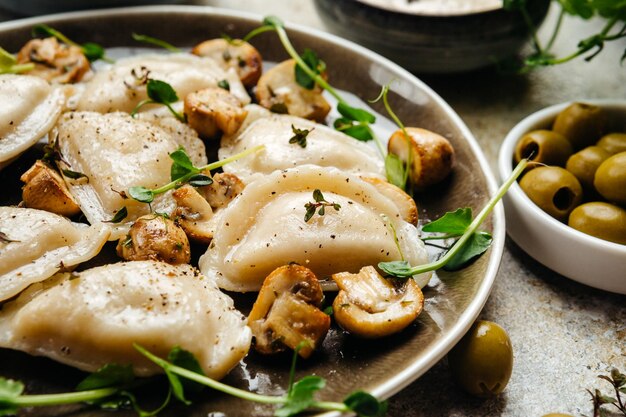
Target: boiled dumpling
x=120 y=87
x=115 y=152
x=265 y=227
x=35 y=244
x=30 y=107
x=324 y=147
x=93 y=318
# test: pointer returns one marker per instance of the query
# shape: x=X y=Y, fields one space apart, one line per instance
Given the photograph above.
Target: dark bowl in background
x=433 y=43
x=41 y=7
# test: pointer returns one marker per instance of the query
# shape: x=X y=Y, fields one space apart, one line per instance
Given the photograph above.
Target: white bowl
x=576 y=255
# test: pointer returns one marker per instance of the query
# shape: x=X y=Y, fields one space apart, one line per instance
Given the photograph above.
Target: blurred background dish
x=37 y=7
x=433 y=36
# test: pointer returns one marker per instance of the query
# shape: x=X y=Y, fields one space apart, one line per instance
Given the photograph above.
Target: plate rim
x=417 y=368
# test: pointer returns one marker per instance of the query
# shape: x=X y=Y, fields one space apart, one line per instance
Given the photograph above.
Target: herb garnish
x=160 y=92
x=618 y=381
x=154 y=41
x=119 y=216
x=321 y=203
x=224 y=84
x=470 y=243
x=9 y=65
x=92 y=51
x=315 y=63
x=74 y=175
x=183 y=171
x=612 y=11
x=299 y=136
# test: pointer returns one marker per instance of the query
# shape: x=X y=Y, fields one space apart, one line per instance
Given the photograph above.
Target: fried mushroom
x=54 y=61
x=244 y=58
x=157 y=238
x=192 y=214
x=371 y=306
x=223 y=190
x=44 y=189
x=212 y=111
x=286 y=312
x=278 y=91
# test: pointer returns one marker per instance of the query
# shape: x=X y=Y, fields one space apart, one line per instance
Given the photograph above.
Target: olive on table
x=544 y=146
x=482 y=362
x=613 y=142
x=582 y=124
x=554 y=189
x=610 y=178
x=602 y=220
x=583 y=164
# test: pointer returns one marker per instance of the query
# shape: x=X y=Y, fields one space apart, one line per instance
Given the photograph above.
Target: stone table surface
x=563 y=333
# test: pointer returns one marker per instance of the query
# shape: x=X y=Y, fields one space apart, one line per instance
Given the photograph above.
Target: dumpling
x=36 y=244
x=119 y=87
x=264 y=228
x=30 y=107
x=324 y=147
x=92 y=318
x=115 y=152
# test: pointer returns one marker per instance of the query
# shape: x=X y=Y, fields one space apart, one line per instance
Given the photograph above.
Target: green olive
x=544 y=146
x=610 y=179
x=555 y=190
x=583 y=164
x=613 y=142
x=482 y=362
x=603 y=220
x=582 y=124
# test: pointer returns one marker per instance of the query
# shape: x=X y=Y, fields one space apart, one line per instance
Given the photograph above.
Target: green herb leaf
x=358 y=115
x=7 y=59
x=110 y=375
x=394 y=170
x=365 y=405
x=224 y=84
x=73 y=174
x=279 y=108
x=451 y=223
x=200 y=180
x=299 y=136
x=619 y=379
x=10 y=390
x=93 y=51
x=581 y=8
x=180 y=157
x=396 y=268
x=358 y=131
x=178 y=171
x=273 y=21
x=313 y=62
x=477 y=244
x=161 y=92
x=318 y=196
x=310 y=212
x=328 y=311
x=141 y=194
x=154 y=41
x=300 y=397
x=119 y=216
x=187 y=360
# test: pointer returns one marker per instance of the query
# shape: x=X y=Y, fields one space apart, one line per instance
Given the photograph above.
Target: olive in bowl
x=579 y=256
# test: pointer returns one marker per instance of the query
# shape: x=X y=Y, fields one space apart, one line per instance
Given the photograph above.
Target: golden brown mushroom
x=223 y=190
x=192 y=214
x=54 y=61
x=286 y=312
x=432 y=155
x=155 y=237
x=44 y=189
x=371 y=306
x=278 y=90
x=212 y=111
x=240 y=55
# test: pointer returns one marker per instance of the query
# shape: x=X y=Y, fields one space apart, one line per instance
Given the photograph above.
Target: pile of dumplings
x=250 y=221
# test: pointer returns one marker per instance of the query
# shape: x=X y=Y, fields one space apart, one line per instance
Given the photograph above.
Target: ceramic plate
x=382 y=367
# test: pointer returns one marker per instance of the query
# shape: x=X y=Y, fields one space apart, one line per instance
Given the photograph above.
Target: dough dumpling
x=93 y=318
x=36 y=244
x=30 y=107
x=264 y=228
x=324 y=147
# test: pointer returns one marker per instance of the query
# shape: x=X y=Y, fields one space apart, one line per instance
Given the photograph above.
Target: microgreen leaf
x=187 y=360
x=119 y=216
x=154 y=41
x=317 y=65
x=180 y=157
x=365 y=405
x=9 y=65
x=476 y=245
x=273 y=21
x=318 y=196
x=92 y=51
x=279 y=108
x=358 y=131
x=328 y=311
x=396 y=268
x=394 y=170
x=224 y=84
x=6 y=58
x=310 y=212
x=161 y=92
x=580 y=8
x=178 y=171
x=110 y=375
x=73 y=174
x=355 y=114
x=451 y=223
x=299 y=136
x=200 y=180
x=300 y=397
x=141 y=194
x=9 y=390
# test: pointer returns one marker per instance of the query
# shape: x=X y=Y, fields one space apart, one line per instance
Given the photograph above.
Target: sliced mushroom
x=192 y=214
x=157 y=238
x=212 y=111
x=286 y=312
x=404 y=202
x=371 y=306
x=54 y=61
x=432 y=155
x=239 y=55
x=278 y=91
x=223 y=190
x=44 y=189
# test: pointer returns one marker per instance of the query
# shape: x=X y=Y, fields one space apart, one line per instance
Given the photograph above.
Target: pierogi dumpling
x=265 y=227
x=92 y=318
x=36 y=244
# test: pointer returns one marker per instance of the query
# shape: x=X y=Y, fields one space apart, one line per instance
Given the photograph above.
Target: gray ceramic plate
x=383 y=367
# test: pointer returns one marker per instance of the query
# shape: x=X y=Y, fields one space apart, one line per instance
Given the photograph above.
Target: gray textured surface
x=563 y=333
